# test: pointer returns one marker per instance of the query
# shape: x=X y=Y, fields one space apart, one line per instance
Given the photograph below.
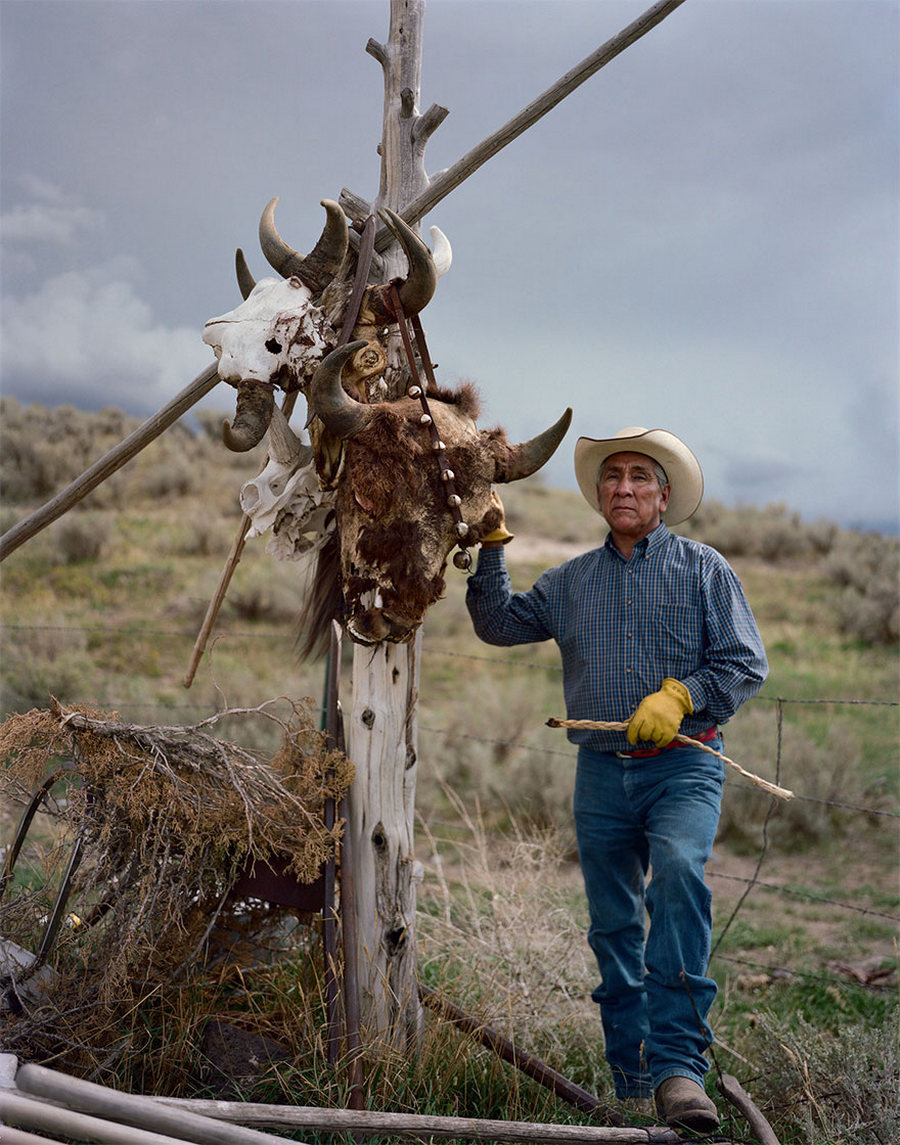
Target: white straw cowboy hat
x=681 y=466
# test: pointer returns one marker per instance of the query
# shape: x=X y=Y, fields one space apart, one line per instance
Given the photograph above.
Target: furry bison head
x=394 y=524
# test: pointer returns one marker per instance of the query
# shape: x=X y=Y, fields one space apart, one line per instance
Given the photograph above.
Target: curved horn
x=246 y=281
x=417 y=290
x=337 y=411
x=441 y=251
x=322 y=263
x=251 y=418
x=528 y=457
x=285 y=446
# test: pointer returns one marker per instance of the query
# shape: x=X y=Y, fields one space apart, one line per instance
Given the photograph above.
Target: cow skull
x=286 y=496
x=283 y=328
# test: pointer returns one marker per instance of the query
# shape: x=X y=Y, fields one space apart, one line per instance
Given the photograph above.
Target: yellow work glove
x=659 y=715
x=499 y=535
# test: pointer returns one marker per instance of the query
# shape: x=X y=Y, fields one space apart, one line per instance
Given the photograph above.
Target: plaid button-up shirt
x=675 y=608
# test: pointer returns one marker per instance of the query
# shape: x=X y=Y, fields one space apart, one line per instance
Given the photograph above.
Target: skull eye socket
x=295 y=282
x=273 y=346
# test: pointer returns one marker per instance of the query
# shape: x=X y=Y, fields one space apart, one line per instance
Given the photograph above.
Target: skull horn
x=285 y=446
x=441 y=251
x=337 y=411
x=323 y=262
x=528 y=457
x=417 y=290
x=252 y=416
x=246 y=281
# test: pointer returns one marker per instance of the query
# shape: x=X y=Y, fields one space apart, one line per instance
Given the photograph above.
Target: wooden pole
x=509 y=1052
x=381 y=730
x=91 y=1101
x=417 y=1126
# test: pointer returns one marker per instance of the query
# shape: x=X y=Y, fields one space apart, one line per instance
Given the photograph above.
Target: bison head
x=394 y=522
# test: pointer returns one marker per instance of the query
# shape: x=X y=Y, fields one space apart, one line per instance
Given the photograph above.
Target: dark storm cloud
x=703 y=236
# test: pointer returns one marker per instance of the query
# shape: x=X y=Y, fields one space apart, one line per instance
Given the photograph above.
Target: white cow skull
x=276 y=330
x=286 y=496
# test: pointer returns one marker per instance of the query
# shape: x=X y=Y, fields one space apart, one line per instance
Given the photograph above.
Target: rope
x=619 y=726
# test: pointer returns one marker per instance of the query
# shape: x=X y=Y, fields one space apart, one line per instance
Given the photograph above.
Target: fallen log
x=414 y=1125
x=13 y=1136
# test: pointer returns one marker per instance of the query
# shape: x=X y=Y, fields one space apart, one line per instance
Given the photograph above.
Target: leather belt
x=703 y=737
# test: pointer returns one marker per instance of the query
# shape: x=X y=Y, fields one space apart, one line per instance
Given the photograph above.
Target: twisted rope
x=619 y=726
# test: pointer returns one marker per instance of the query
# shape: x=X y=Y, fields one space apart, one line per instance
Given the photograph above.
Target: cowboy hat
x=681 y=466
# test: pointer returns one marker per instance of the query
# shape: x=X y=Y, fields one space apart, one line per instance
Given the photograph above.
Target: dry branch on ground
x=167 y=819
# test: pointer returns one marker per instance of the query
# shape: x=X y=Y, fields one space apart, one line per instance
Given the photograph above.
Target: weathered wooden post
x=382 y=730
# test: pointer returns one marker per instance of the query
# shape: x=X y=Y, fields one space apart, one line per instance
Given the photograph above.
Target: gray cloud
x=703 y=236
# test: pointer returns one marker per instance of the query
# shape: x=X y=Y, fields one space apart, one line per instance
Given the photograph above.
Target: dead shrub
x=771 y=533
x=167 y=818
x=166 y=480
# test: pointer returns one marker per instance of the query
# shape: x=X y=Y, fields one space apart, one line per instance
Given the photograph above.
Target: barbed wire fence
x=750 y=883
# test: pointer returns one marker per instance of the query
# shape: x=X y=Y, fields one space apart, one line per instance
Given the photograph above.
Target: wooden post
x=381 y=736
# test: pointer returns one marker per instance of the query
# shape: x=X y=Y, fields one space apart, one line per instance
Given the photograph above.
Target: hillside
x=104 y=605
x=103 y=608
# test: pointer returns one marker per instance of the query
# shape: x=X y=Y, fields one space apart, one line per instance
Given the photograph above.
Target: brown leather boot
x=683 y=1104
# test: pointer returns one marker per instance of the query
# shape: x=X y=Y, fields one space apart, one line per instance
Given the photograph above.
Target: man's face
x=629 y=495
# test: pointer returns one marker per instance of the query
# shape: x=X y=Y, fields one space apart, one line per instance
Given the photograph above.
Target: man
x=653 y=629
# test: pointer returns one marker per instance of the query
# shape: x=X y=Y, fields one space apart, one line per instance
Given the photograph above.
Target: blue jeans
x=658 y=813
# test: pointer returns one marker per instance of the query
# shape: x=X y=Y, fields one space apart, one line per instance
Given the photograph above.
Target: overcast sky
x=703 y=237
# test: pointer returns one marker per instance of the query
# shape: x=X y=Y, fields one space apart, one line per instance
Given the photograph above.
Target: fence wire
x=511 y=663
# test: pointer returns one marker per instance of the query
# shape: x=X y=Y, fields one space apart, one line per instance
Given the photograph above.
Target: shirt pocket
x=678 y=637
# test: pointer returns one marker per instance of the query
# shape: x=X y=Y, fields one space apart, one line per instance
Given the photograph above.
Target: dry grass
x=502 y=917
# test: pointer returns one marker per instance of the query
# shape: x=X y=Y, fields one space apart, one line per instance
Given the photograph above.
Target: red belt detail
x=703 y=737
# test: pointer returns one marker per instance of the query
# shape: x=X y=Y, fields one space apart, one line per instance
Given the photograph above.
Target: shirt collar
x=645 y=546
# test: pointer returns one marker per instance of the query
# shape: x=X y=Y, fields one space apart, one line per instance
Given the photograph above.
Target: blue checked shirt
x=676 y=608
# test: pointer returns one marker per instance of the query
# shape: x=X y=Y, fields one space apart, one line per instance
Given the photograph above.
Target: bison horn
x=285 y=446
x=528 y=457
x=419 y=287
x=323 y=262
x=251 y=418
x=337 y=411
x=246 y=281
